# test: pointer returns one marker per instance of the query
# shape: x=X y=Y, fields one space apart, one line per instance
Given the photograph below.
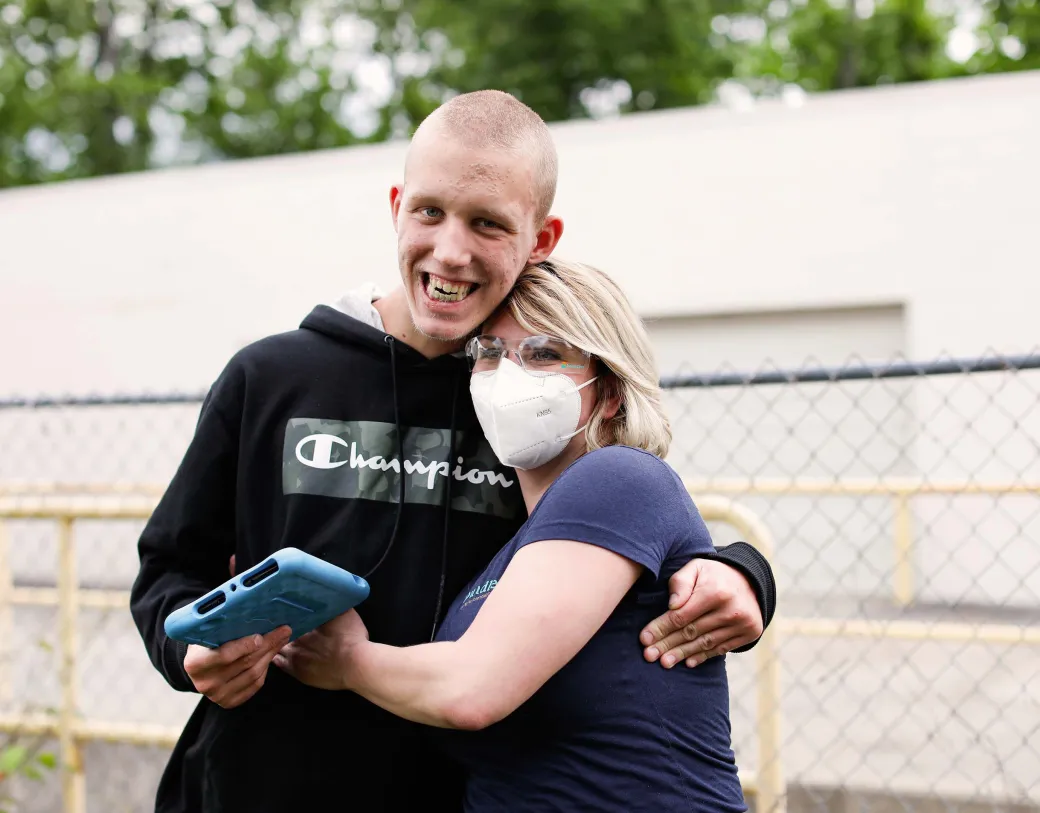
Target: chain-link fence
x=903 y=500
x=905 y=504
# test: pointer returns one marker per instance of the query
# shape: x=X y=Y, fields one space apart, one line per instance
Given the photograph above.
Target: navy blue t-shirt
x=609 y=731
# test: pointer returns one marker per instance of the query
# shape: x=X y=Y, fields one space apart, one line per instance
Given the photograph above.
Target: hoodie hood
x=358 y=304
x=335 y=324
x=338 y=322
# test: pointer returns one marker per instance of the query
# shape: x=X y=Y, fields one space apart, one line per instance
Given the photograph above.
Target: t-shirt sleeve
x=625 y=500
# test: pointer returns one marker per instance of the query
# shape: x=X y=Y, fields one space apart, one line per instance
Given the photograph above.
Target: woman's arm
x=551 y=600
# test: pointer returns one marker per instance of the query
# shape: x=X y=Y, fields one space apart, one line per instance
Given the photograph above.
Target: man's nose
x=452 y=247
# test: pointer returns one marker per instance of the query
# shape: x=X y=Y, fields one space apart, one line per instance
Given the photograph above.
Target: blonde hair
x=584 y=306
x=492 y=118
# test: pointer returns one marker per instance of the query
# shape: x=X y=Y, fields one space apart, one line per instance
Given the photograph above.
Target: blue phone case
x=290 y=587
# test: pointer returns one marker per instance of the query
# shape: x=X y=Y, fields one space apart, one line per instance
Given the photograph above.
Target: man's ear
x=548 y=236
x=396 y=196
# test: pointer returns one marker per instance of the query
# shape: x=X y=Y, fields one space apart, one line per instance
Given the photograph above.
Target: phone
x=290 y=587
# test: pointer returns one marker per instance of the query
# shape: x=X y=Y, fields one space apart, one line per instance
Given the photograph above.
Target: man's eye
x=484 y=223
x=430 y=211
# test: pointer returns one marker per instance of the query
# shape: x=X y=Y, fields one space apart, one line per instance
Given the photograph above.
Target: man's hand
x=322 y=658
x=234 y=672
x=712 y=611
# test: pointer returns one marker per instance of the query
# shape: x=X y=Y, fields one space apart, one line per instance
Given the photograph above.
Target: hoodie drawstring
x=447 y=506
x=400 y=457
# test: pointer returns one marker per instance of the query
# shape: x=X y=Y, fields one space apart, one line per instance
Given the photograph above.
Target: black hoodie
x=298 y=444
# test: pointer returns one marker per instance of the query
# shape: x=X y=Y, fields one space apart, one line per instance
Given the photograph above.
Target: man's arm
x=719 y=603
x=754 y=567
x=504 y=657
x=185 y=546
x=185 y=550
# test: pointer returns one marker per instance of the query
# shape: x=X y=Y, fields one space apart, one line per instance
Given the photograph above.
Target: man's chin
x=441 y=329
x=448 y=333
x=450 y=329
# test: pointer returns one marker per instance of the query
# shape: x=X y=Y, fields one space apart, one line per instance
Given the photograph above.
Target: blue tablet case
x=290 y=587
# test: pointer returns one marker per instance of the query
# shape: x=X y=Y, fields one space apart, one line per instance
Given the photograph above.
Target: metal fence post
x=6 y=616
x=772 y=790
x=770 y=786
x=73 y=783
x=903 y=571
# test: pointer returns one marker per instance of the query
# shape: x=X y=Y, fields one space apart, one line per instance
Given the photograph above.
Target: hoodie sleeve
x=187 y=543
x=757 y=571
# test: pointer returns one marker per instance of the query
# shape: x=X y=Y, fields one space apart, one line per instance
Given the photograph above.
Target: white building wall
x=917 y=195
x=878 y=222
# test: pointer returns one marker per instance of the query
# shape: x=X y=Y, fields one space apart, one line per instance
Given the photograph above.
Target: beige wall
x=915 y=196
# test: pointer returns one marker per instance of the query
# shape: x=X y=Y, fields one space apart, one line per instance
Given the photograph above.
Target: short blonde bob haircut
x=584 y=306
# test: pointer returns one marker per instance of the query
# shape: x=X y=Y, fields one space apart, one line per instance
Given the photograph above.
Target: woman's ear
x=610 y=395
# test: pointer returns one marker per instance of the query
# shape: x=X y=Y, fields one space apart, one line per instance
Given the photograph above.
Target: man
x=354 y=438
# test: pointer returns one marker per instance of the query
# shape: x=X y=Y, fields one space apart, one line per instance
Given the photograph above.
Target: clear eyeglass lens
x=485 y=352
x=545 y=354
x=536 y=354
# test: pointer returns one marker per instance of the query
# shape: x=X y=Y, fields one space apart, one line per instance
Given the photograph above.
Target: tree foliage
x=821 y=46
x=94 y=87
x=20 y=760
x=91 y=88
x=1009 y=38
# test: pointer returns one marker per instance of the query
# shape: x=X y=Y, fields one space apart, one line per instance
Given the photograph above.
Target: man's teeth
x=446 y=291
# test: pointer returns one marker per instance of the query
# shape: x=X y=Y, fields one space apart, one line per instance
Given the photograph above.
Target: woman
x=537 y=661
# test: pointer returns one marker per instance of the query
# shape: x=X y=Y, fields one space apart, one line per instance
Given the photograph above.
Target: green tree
x=823 y=45
x=1009 y=37
x=558 y=55
x=562 y=56
x=93 y=88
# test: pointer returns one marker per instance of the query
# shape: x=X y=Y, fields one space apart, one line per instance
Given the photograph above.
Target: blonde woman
x=537 y=664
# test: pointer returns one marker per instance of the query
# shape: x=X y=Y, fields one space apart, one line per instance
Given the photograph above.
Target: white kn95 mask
x=527 y=419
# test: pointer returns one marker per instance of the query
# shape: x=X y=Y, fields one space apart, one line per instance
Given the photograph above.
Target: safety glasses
x=538 y=355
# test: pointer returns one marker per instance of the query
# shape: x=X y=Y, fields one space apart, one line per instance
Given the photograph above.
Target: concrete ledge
x=823 y=799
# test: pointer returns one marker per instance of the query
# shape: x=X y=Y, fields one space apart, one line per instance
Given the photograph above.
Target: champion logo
x=315 y=451
x=321 y=451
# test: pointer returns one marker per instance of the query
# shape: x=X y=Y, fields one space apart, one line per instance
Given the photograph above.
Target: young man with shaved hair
x=354 y=438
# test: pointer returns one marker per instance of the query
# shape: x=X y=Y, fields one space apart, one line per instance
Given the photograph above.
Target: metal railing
x=901 y=491
x=71 y=731
x=124 y=502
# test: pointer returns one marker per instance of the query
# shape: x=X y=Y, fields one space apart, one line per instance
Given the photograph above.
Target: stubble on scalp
x=491 y=119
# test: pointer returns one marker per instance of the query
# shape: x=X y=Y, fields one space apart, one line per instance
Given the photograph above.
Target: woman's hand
x=323 y=658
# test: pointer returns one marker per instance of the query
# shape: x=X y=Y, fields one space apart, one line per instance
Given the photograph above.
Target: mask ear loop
x=580 y=429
